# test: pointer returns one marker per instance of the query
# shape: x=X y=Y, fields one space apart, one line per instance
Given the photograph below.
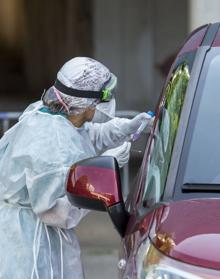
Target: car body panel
x=194 y=40
x=193 y=227
x=216 y=42
x=136 y=232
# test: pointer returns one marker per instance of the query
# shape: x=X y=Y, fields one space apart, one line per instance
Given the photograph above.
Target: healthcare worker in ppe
x=37 y=221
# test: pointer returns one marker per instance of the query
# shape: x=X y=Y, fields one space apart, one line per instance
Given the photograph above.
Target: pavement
x=100 y=263
x=100 y=244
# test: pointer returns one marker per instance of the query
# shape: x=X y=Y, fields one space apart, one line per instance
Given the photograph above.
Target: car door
x=151 y=181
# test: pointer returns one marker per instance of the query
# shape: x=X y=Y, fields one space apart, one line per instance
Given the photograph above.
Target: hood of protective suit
x=76 y=81
x=84 y=73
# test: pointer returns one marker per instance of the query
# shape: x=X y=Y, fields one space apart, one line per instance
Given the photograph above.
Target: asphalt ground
x=100 y=244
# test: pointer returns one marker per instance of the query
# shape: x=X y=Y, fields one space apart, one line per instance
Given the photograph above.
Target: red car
x=170 y=223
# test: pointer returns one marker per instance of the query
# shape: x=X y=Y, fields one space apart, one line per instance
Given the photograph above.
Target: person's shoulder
x=43 y=127
x=49 y=139
x=49 y=121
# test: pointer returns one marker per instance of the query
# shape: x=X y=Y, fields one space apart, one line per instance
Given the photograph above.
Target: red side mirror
x=95 y=184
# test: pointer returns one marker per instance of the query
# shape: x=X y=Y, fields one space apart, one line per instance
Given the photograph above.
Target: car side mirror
x=95 y=184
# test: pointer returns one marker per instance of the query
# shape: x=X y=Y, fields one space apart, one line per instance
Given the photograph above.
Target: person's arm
x=47 y=160
x=48 y=200
x=114 y=132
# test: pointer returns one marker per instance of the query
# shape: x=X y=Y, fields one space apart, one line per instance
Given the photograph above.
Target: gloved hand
x=149 y=125
x=137 y=121
x=121 y=153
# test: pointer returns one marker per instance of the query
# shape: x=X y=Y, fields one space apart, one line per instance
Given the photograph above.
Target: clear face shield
x=105 y=110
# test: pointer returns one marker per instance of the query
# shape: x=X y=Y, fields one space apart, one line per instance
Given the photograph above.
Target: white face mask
x=104 y=112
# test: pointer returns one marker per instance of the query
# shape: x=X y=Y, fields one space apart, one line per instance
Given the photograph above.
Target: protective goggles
x=104 y=95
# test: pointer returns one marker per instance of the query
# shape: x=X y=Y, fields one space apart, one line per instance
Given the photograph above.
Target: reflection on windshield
x=164 y=135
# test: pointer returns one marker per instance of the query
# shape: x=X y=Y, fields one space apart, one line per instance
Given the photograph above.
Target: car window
x=165 y=134
x=203 y=160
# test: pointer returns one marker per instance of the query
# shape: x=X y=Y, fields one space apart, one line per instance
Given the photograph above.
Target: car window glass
x=164 y=135
x=203 y=160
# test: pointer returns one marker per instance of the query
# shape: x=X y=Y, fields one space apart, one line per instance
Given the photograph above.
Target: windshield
x=203 y=154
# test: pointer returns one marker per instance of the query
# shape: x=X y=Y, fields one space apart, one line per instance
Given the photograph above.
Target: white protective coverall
x=37 y=221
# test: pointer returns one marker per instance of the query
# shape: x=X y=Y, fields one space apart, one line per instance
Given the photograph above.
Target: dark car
x=170 y=223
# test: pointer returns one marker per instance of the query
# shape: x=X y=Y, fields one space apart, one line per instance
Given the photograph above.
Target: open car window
x=165 y=134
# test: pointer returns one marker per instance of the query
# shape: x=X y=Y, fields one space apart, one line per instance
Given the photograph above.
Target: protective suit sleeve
x=114 y=132
x=48 y=199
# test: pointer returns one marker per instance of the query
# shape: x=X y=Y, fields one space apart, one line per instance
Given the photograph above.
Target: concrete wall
x=132 y=38
x=123 y=41
x=202 y=12
x=170 y=30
